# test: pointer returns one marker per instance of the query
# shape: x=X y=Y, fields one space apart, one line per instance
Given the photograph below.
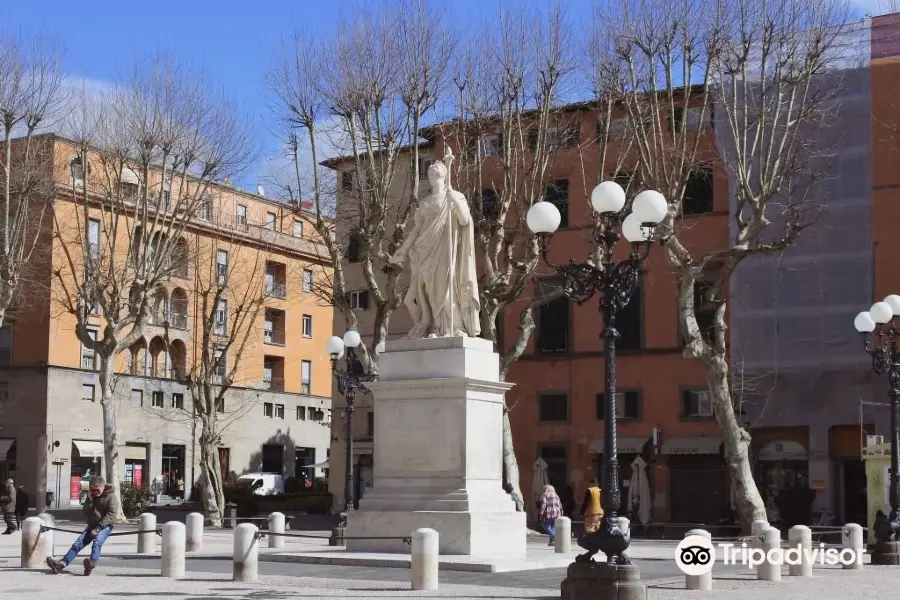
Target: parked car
x=263 y=484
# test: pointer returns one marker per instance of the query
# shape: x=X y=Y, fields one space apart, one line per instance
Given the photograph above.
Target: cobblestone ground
x=827 y=584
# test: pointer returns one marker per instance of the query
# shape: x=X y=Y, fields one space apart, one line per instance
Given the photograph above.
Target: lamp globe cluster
x=879 y=314
x=335 y=345
x=649 y=208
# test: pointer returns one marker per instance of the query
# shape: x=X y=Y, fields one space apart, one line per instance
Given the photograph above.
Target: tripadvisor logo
x=695 y=555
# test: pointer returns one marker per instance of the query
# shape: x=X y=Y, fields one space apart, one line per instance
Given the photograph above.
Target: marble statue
x=443 y=291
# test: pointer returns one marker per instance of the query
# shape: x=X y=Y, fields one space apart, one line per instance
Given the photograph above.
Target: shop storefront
x=698 y=480
x=86 y=462
x=782 y=476
x=136 y=462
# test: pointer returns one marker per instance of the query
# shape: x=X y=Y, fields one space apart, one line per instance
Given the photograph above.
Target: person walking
x=592 y=506
x=21 y=505
x=551 y=509
x=99 y=510
x=8 y=506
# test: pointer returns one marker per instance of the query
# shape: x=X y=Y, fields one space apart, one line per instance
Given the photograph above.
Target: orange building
x=278 y=409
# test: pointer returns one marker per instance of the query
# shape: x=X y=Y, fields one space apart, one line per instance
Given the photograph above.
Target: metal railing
x=274 y=337
x=276 y=290
x=178 y=320
x=273 y=384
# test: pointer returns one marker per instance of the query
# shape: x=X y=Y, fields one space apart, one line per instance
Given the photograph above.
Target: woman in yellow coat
x=592 y=506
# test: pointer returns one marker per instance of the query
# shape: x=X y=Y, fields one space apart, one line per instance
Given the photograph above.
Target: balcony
x=273 y=384
x=276 y=279
x=88 y=361
x=276 y=290
x=178 y=320
x=274 y=327
x=274 y=338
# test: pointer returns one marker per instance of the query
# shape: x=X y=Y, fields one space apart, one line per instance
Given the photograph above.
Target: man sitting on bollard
x=99 y=509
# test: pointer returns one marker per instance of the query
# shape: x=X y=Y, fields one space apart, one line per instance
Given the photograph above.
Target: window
x=222 y=266
x=490 y=204
x=347 y=181
x=137 y=398
x=705 y=307
x=557 y=192
x=157 y=399
x=270 y=221
x=268 y=409
x=241 y=215
x=87 y=392
x=628 y=323
x=557 y=458
x=129 y=190
x=698 y=192
x=279 y=411
x=624 y=179
x=553 y=326
x=315 y=414
x=489 y=145
x=354 y=247
x=301 y=413
x=307 y=326
x=220 y=325
x=424 y=165
x=305 y=375
x=205 y=209
x=178 y=401
x=93 y=231
x=76 y=166
x=566 y=136
x=617 y=130
x=370 y=423
x=88 y=358
x=6 y=345
x=358 y=300
x=690 y=118
x=307 y=280
x=298 y=228
x=553 y=407
x=221 y=367
x=628 y=405
x=696 y=404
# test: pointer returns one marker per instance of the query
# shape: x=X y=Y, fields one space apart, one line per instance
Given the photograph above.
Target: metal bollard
x=276 y=526
x=173 y=548
x=230 y=515
x=425 y=557
x=563 y=527
x=194 y=526
x=33 y=556
x=769 y=540
x=146 y=542
x=852 y=546
x=800 y=537
x=47 y=537
x=699 y=582
x=246 y=553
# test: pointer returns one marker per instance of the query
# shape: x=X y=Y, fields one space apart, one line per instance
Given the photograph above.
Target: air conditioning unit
x=874 y=440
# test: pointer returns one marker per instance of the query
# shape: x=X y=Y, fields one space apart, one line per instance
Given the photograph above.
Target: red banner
x=138 y=475
x=75 y=488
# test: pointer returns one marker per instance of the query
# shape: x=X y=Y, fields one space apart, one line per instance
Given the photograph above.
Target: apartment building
x=275 y=417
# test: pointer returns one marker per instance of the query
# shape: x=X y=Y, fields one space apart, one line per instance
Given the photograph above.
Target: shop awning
x=129 y=176
x=625 y=445
x=701 y=444
x=134 y=452
x=782 y=450
x=88 y=448
x=321 y=465
x=5 y=445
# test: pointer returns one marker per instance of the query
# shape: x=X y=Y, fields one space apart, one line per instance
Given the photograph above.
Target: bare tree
x=761 y=68
x=30 y=99
x=148 y=153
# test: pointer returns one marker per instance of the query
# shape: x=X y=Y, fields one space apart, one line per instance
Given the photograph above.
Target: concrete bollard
x=246 y=553
x=47 y=537
x=563 y=540
x=852 y=546
x=194 y=527
x=276 y=525
x=756 y=529
x=173 y=548
x=146 y=542
x=699 y=582
x=425 y=556
x=33 y=556
x=769 y=540
x=800 y=536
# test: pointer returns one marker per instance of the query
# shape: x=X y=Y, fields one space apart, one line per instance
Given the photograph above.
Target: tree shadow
x=266 y=457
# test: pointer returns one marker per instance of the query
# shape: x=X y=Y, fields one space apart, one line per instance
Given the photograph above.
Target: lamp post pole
x=616 y=282
x=880 y=331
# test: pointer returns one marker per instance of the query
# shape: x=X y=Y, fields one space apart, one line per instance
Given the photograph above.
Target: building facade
x=276 y=415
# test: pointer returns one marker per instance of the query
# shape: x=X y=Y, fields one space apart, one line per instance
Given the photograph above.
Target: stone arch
x=180 y=262
x=138 y=362
x=178 y=353
x=159 y=358
x=160 y=308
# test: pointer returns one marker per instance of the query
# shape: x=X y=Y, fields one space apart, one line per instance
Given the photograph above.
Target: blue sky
x=234 y=41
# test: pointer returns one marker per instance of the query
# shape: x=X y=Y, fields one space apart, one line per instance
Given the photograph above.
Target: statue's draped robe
x=442 y=261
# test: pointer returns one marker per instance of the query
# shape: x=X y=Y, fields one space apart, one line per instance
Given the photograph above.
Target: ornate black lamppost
x=616 y=282
x=349 y=381
x=880 y=330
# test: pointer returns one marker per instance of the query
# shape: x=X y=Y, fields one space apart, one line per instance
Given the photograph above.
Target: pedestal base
x=479 y=534
x=599 y=581
x=886 y=553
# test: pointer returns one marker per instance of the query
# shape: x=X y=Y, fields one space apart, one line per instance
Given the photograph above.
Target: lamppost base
x=588 y=580
x=886 y=553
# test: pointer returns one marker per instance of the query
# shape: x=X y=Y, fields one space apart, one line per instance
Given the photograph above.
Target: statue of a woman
x=443 y=290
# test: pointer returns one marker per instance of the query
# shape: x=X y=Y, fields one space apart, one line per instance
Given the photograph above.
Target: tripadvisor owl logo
x=695 y=555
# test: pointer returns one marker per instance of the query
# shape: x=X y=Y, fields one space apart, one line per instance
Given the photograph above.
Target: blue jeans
x=550 y=528
x=87 y=537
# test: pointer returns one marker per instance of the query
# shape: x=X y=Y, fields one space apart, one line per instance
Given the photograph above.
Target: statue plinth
x=588 y=580
x=439 y=452
x=886 y=553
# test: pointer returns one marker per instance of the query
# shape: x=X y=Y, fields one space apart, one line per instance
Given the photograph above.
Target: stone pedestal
x=438 y=452
x=600 y=581
x=886 y=553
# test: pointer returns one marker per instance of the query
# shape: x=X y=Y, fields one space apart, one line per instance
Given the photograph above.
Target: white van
x=263 y=484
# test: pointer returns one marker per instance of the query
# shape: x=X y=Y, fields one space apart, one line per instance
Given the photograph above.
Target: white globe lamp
x=608 y=197
x=334 y=346
x=881 y=312
x=650 y=207
x=543 y=217
x=864 y=323
x=352 y=339
x=894 y=302
x=633 y=230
